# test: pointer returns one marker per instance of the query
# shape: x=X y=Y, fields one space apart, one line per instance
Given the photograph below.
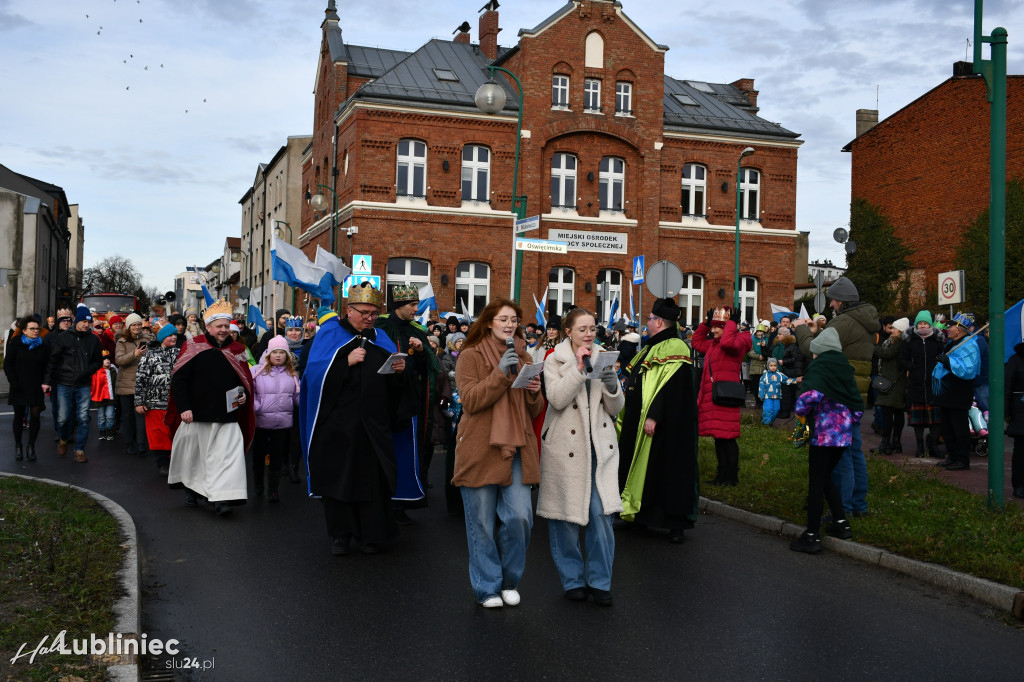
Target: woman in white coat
x=579 y=485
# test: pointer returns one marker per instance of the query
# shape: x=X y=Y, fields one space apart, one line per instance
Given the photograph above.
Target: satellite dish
x=851 y=247
x=841 y=235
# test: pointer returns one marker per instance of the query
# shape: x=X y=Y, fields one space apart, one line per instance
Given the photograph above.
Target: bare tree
x=113 y=274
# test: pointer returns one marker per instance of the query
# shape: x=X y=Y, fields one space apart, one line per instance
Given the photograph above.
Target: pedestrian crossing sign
x=638 y=270
x=362 y=264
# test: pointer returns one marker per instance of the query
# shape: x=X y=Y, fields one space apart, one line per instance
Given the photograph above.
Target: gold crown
x=218 y=310
x=405 y=294
x=721 y=315
x=365 y=293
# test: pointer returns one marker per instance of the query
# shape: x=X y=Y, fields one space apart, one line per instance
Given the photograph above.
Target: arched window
x=563 y=181
x=609 y=290
x=476 y=173
x=594 y=54
x=406 y=271
x=612 y=183
x=748 y=298
x=561 y=285
x=694 y=186
x=691 y=299
x=750 y=193
x=472 y=287
x=412 y=169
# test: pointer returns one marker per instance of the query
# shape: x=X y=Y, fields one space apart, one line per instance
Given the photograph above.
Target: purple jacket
x=832 y=424
x=276 y=397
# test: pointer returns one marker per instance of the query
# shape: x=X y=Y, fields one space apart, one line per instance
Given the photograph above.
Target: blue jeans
x=497 y=560
x=74 y=406
x=981 y=397
x=851 y=476
x=596 y=570
x=105 y=416
x=769 y=410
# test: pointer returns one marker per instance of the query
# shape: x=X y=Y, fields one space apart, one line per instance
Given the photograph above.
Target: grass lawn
x=912 y=512
x=59 y=556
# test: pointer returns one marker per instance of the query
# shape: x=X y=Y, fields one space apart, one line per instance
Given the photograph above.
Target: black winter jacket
x=917 y=358
x=1013 y=390
x=74 y=357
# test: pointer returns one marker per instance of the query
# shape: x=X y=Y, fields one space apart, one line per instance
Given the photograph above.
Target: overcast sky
x=154 y=115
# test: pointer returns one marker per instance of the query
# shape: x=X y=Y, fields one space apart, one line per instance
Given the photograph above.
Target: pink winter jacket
x=724 y=359
x=276 y=396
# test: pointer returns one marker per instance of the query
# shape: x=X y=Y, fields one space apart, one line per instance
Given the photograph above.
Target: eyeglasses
x=652 y=318
x=31 y=329
x=584 y=330
x=506 y=320
x=366 y=315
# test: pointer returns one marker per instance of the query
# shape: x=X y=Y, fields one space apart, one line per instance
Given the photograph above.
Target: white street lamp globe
x=490 y=97
x=318 y=202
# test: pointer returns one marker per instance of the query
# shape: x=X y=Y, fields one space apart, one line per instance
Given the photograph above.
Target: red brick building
x=617 y=157
x=927 y=166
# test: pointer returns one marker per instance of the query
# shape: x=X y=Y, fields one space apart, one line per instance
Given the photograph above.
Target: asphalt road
x=260 y=597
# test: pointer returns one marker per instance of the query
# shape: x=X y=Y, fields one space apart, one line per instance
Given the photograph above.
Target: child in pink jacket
x=276 y=396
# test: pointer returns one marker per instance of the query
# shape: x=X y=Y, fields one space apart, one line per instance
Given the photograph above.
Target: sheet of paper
x=602 y=360
x=234 y=397
x=389 y=365
x=527 y=373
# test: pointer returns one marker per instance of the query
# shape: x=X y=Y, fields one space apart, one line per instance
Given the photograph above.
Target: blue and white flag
x=293 y=268
x=778 y=312
x=207 y=296
x=632 y=311
x=426 y=304
x=1014 y=329
x=255 y=318
x=615 y=309
x=332 y=264
x=542 y=319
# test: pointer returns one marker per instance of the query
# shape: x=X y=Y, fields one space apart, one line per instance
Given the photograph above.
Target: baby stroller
x=979 y=430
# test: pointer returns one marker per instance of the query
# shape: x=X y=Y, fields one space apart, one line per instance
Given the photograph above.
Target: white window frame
x=563 y=174
x=412 y=162
x=695 y=186
x=468 y=280
x=561 y=290
x=592 y=95
x=560 y=92
x=406 y=276
x=604 y=308
x=474 y=167
x=623 y=98
x=750 y=193
x=612 y=179
x=691 y=299
x=748 y=298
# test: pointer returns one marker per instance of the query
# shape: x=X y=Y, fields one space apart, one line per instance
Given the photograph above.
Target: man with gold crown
x=423 y=367
x=210 y=415
x=349 y=414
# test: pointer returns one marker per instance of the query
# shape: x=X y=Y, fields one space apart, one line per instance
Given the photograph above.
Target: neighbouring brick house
x=926 y=167
x=615 y=155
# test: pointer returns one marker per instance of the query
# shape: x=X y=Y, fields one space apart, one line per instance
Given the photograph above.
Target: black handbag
x=881 y=384
x=727 y=393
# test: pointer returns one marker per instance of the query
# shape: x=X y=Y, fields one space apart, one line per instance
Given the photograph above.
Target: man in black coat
x=75 y=356
x=962 y=359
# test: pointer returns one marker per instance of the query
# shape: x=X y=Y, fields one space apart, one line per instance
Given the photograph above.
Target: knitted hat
x=454 y=338
x=114 y=319
x=277 y=343
x=82 y=313
x=453 y=319
x=902 y=324
x=843 y=290
x=437 y=341
x=165 y=331
x=826 y=340
x=280 y=312
x=923 y=316
x=132 y=319
x=191 y=311
x=554 y=322
x=666 y=309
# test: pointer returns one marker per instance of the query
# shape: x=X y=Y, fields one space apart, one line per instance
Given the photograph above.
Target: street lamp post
x=318 y=202
x=490 y=99
x=279 y=233
x=736 y=275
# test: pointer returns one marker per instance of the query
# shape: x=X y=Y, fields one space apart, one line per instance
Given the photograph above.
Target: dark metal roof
x=372 y=62
x=414 y=78
x=558 y=14
x=724 y=108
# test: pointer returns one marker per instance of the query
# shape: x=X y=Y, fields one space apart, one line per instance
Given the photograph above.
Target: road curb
x=997 y=595
x=127 y=608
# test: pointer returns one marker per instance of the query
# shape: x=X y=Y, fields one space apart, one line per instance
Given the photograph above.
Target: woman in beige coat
x=579 y=486
x=127 y=355
x=496 y=452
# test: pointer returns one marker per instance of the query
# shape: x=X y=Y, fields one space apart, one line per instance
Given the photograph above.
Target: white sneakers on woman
x=492 y=603
x=508 y=597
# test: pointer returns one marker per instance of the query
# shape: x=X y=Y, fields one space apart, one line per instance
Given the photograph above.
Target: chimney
x=489 y=30
x=746 y=88
x=866 y=120
x=963 y=69
x=462 y=33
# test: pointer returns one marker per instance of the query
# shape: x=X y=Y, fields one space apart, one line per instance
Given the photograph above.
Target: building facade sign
x=587 y=240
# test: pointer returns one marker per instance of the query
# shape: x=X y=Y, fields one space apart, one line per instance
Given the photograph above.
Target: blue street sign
x=638 y=270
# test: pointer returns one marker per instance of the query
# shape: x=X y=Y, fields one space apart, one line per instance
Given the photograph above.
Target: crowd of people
x=602 y=423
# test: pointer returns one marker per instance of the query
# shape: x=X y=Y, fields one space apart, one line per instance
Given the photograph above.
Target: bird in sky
x=146 y=69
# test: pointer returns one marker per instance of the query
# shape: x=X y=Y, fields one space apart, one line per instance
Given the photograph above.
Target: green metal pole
x=334 y=231
x=518 y=202
x=997 y=267
x=736 y=274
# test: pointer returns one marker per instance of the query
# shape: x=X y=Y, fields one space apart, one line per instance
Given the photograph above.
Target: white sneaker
x=492 y=603
x=510 y=597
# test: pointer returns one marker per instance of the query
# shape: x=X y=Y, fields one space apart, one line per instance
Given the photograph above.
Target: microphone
x=586 y=364
x=362 y=341
x=510 y=344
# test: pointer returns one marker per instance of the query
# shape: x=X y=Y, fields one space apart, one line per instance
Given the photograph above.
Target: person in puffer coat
x=276 y=396
x=152 y=390
x=579 y=487
x=724 y=348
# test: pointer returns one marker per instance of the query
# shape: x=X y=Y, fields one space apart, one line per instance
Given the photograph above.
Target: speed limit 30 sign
x=951 y=287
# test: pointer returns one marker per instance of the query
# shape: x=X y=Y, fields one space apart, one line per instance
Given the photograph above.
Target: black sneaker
x=191 y=499
x=339 y=546
x=576 y=594
x=840 y=529
x=809 y=543
x=601 y=597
